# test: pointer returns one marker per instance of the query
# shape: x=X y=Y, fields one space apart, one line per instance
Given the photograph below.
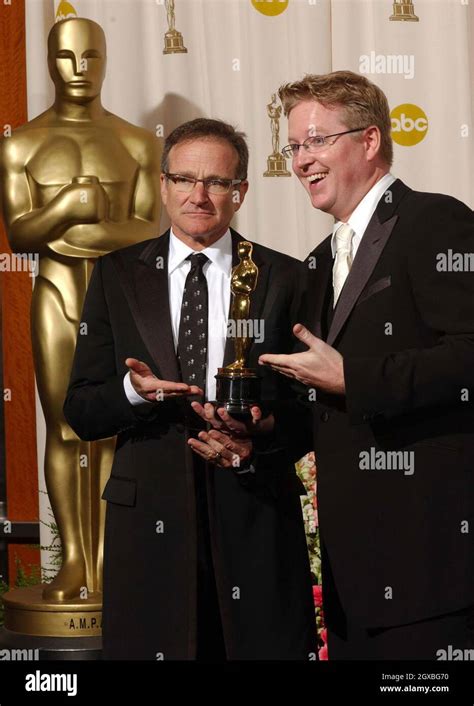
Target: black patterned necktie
x=192 y=336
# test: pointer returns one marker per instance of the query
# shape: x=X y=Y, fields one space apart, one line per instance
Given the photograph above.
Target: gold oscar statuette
x=276 y=163
x=173 y=39
x=238 y=387
x=403 y=10
x=76 y=183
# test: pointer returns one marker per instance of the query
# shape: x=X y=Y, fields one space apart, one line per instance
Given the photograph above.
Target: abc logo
x=409 y=124
x=270 y=7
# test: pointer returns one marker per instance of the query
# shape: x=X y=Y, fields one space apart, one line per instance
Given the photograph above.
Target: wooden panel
x=20 y=421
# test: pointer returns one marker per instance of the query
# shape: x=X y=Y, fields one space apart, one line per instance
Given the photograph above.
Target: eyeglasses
x=313 y=144
x=212 y=186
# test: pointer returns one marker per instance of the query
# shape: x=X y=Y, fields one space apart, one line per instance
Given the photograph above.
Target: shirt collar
x=360 y=217
x=219 y=253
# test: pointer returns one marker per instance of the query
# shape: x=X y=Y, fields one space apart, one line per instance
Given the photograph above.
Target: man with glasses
x=388 y=346
x=205 y=553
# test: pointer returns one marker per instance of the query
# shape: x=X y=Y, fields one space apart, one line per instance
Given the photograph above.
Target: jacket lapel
x=257 y=297
x=145 y=283
x=319 y=266
x=371 y=247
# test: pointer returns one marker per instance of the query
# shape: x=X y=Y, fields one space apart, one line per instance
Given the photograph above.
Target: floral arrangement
x=306 y=470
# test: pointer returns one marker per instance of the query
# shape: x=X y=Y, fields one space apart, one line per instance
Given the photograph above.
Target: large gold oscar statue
x=77 y=182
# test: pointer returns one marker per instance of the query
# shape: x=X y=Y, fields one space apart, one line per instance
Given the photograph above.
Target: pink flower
x=323 y=653
x=318 y=596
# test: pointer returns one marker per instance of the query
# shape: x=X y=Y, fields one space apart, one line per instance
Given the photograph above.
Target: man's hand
x=321 y=366
x=222 y=449
x=152 y=388
x=221 y=420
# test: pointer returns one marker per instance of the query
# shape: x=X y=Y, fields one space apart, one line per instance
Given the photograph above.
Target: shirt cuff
x=132 y=395
x=244 y=470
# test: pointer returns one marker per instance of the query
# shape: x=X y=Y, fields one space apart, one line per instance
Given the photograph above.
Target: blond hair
x=362 y=102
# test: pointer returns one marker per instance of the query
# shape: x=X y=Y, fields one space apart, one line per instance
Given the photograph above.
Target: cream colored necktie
x=343 y=259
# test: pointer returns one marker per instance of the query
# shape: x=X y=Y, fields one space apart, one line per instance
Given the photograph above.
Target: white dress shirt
x=217 y=272
x=360 y=217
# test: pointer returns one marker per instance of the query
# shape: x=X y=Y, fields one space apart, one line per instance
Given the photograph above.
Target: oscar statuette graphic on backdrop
x=174 y=43
x=403 y=10
x=276 y=162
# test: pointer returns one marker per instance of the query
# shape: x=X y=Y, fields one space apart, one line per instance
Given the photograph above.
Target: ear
x=373 y=141
x=163 y=189
x=238 y=195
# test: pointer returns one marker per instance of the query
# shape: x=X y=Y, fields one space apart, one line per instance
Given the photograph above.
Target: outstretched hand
x=321 y=366
x=221 y=420
x=151 y=388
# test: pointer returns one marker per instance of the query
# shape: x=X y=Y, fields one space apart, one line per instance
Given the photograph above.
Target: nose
x=303 y=159
x=199 y=193
x=80 y=65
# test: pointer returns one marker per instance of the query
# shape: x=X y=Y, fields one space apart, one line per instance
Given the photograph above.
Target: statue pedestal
x=31 y=648
x=404 y=12
x=174 y=43
x=276 y=166
x=237 y=391
x=27 y=614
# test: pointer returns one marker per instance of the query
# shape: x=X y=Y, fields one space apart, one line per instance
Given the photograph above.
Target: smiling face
x=77 y=59
x=337 y=176
x=199 y=218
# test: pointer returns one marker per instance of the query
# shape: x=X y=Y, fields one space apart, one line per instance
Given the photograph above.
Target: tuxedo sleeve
x=435 y=375
x=294 y=426
x=290 y=440
x=293 y=414
x=96 y=406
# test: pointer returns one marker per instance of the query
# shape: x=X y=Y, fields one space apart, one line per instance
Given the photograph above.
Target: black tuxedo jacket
x=397 y=545
x=257 y=535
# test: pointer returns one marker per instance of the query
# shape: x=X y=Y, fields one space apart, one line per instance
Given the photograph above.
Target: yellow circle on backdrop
x=64 y=10
x=271 y=8
x=409 y=124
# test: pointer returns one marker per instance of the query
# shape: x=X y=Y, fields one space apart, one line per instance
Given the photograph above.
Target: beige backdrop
x=240 y=51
